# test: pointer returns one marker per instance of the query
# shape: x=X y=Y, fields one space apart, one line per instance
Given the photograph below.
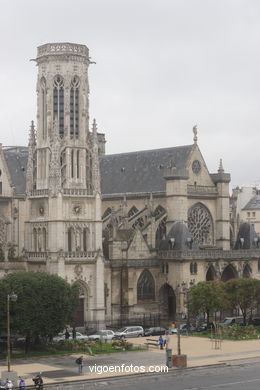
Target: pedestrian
x=67 y=335
x=21 y=384
x=79 y=362
x=167 y=339
x=161 y=342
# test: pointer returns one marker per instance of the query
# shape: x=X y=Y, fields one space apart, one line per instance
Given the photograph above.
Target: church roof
x=134 y=172
x=16 y=159
x=253 y=204
x=140 y=172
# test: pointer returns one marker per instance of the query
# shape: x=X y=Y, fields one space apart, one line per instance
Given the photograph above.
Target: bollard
x=169 y=358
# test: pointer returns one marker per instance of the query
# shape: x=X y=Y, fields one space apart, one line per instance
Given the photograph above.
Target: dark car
x=256 y=321
x=203 y=327
x=155 y=331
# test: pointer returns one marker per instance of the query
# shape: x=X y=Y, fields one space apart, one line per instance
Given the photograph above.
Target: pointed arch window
x=74 y=107
x=44 y=239
x=85 y=239
x=160 y=232
x=78 y=160
x=58 y=103
x=70 y=238
x=44 y=107
x=35 y=240
x=193 y=268
x=72 y=163
x=145 y=286
x=200 y=224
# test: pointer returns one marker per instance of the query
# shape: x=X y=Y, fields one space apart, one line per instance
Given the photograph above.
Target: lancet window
x=74 y=107
x=58 y=103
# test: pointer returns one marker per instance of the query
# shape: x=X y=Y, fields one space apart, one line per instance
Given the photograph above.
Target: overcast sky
x=162 y=66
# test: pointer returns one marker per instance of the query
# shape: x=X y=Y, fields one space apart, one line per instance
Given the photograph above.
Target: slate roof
x=16 y=160
x=134 y=172
x=253 y=204
x=140 y=172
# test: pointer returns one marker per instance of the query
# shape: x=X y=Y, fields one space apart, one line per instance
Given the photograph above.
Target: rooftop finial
x=195 y=132
x=220 y=169
x=94 y=126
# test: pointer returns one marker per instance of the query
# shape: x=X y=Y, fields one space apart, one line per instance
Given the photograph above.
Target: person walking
x=161 y=342
x=79 y=362
x=167 y=339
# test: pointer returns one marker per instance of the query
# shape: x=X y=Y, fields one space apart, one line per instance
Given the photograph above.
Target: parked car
x=203 y=327
x=61 y=337
x=102 y=335
x=184 y=329
x=129 y=331
x=155 y=331
x=256 y=321
x=229 y=321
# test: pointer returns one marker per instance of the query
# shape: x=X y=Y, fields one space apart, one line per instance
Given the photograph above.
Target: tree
x=243 y=293
x=46 y=304
x=206 y=297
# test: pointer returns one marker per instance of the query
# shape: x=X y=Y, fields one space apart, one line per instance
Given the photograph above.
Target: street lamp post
x=10 y=297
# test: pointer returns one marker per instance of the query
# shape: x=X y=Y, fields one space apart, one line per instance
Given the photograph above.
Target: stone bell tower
x=63 y=177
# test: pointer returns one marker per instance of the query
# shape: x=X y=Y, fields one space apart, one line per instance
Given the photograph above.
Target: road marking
x=223 y=384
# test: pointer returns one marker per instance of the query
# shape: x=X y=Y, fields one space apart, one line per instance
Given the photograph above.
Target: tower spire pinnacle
x=195 y=132
x=220 y=169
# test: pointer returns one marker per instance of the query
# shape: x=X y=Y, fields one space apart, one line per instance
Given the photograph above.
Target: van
x=129 y=331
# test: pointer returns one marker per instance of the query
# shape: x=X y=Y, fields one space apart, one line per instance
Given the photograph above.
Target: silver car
x=129 y=331
x=102 y=335
x=61 y=337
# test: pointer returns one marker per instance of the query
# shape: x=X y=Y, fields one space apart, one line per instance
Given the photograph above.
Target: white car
x=102 y=335
x=61 y=337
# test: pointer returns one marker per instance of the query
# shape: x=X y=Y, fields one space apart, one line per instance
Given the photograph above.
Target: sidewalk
x=200 y=352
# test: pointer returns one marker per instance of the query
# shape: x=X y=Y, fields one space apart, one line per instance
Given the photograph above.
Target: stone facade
x=134 y=230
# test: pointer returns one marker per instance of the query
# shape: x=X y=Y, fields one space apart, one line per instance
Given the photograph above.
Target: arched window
x=43 y=107
x=44 y=239
x=35 y=240
x=78 y=163
x=39 y=236
x=74 y=107
x=247 y=271
x=160 y=232
x=165 y=268
x=193 y=268
x=85 y=239
x=58 y=103
x=145 y=286
x=72 y=163
x=200 y=224
x=211 y=273
x=132 y=212
x=70 y=238
x=107 y=213
x=159 y=211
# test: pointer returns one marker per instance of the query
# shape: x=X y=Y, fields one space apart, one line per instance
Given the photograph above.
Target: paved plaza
x=200 y=352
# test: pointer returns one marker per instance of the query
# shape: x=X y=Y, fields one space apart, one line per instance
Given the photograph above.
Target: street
x=245 y=376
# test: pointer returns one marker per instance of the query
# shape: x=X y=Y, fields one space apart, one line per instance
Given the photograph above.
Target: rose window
x=200 y=225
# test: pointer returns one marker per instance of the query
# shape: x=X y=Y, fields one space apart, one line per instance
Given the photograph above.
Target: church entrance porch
x=167 y=301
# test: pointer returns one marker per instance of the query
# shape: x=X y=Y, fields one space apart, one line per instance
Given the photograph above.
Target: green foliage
x=243 y=293
x=46 y=304
x=206 y=297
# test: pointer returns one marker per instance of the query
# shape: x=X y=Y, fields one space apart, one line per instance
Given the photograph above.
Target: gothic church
x=135 y=230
